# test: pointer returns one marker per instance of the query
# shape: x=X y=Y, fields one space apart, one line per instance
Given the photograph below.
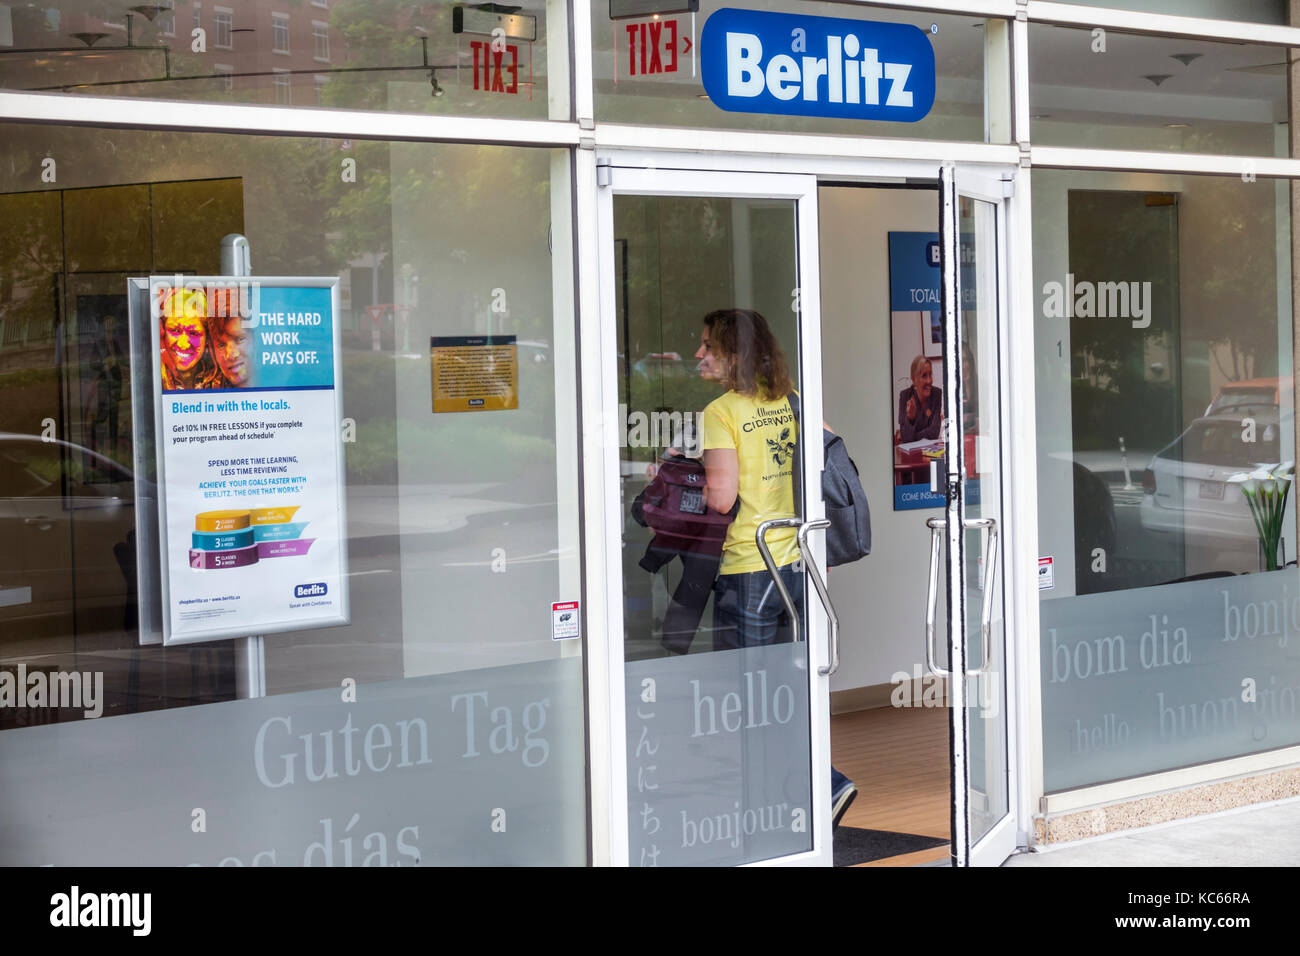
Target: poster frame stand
x=250 y=652
x=152 y=587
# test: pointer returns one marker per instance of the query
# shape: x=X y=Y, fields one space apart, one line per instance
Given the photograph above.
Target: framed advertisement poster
x=916 y=399
x=247 y=399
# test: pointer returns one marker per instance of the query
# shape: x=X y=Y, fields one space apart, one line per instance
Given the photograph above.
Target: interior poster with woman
x=916 y=402
x=250 y=465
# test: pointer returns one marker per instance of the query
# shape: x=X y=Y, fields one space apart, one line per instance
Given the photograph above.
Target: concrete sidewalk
x=1267 y=835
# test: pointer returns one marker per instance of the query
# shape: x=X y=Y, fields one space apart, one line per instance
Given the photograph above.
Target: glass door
x=972 y=231
x=711 y=367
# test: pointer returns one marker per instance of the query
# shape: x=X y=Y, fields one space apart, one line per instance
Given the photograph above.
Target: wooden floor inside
x=898 y=757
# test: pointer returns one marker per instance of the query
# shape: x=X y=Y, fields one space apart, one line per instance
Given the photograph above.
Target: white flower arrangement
x=1266 y=491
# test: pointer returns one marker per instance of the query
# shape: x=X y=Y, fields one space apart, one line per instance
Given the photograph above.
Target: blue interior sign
x=792 y=65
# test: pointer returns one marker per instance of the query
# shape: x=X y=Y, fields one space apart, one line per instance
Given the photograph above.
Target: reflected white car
x=1188 y=488
x=67 y=516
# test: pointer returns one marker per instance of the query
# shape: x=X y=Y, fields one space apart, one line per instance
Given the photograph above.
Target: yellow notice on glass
x=474 y=373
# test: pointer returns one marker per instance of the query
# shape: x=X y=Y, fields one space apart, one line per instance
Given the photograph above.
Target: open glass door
x=713 y=599
x=972 y=232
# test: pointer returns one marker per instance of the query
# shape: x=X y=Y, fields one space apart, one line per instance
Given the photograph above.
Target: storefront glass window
x=444 y=723
x=1166 y=443
x=702 y=618
x=1110 y=90
x=650 y=68
x=1251 y=11
x=412 y=58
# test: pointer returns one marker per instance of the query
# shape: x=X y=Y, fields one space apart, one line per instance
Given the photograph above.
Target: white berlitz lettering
x=744 y=78
x=899 y=94
x=783 y=77
x=871 y=73
x=850 y=73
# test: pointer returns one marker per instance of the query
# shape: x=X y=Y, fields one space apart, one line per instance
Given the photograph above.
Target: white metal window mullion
x=1132 y=21
x=583 y=64
x=631 y=137
x=602 y=656
x=1069 y=157
x=1020 y=502
x=1020 y=86
x=602 y=531
x=978 y=8
x=73 y=110
x=856 y=169
x=1024 y=720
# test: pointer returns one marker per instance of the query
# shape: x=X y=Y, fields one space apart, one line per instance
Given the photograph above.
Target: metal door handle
x=990 y=575
x=760 y=538
x=937 y=527
x=819 y=582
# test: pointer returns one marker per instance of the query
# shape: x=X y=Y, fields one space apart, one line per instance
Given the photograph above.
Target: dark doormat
x=854 y=845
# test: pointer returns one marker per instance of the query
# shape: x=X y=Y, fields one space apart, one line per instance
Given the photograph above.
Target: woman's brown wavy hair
x=755 y=364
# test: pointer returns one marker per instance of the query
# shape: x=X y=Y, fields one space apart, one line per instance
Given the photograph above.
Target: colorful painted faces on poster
x=201 y=345
x=184 y=341
x=228 y=340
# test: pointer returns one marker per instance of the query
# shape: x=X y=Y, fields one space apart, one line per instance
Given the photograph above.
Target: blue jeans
x=748 y=610
x=837 y=780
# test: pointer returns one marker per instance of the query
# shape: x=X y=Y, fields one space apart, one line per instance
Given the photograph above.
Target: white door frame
x=633 y=174
x=661 y=172
x=1000 y=841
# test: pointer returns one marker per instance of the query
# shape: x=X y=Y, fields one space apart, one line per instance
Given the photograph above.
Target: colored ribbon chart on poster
x=250 y=465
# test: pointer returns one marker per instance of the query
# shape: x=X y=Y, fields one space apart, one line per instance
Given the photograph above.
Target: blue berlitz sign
x=914 y=272
x=792 y=65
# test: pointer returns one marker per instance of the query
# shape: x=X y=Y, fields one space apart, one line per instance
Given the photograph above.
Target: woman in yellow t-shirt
x=749 y=437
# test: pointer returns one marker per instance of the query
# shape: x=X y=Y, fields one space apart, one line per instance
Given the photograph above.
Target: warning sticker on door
x=564 y=620
x=1045 y=579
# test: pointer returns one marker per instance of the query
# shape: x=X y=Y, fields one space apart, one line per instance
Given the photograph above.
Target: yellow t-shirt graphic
x=764 y=435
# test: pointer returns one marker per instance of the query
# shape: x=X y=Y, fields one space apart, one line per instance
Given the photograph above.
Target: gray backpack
x=849 y=536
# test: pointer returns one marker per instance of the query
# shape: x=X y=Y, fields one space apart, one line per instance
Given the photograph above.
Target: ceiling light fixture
x=485 y=19
x=1185 y=58
x=636 y=9
x=1157 y=78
